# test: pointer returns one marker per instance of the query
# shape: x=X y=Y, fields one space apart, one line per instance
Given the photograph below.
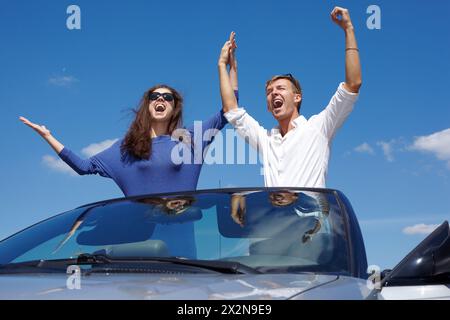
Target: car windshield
x=282 y=230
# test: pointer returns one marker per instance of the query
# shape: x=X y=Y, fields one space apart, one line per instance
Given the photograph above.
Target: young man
x=296 y=152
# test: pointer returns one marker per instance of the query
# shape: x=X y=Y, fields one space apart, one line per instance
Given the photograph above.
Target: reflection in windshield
x=285 y=228
x=172 y=205
x=320 y=208
x=238 y=207
x=73 y=229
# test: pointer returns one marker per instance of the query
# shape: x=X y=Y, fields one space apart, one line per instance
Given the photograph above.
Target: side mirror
x=427 y=263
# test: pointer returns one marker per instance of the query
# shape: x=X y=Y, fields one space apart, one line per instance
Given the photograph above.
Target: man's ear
x=297 y=98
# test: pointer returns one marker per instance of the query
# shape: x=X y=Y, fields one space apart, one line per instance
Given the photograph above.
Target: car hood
x=157 y=286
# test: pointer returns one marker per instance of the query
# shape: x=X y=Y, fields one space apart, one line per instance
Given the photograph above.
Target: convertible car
x=253 y=243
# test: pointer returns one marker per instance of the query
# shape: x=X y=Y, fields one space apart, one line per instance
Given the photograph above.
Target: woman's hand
x=42 y=130
x=44 y=133
x=232 y=62
x=227 y=53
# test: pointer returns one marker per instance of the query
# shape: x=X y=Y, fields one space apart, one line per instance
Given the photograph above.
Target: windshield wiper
x=130 y=263
x=228 y=267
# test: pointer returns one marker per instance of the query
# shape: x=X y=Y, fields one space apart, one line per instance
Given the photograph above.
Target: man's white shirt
x=300 y=158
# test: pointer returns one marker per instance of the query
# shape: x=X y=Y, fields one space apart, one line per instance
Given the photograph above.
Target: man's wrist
x=349 y=28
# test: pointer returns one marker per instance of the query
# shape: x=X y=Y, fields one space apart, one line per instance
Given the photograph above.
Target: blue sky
x=391 y=158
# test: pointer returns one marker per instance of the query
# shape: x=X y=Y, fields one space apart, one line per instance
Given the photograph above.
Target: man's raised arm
x=352 y=65
x=227 y=93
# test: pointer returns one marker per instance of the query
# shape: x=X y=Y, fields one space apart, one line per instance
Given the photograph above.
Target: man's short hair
x=295 y=84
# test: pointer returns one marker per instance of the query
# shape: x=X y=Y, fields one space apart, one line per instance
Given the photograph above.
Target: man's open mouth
x=277 y=103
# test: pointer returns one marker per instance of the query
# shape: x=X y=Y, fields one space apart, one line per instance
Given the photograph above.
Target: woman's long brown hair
x=137 y=141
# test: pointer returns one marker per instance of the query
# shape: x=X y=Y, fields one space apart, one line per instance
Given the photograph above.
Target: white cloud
x=62 y=81
x=420 y=228
x=388 y=149
x=57 y=165
x=365 y=148
x=437 y=143
x=401 y=219
x=95 y=148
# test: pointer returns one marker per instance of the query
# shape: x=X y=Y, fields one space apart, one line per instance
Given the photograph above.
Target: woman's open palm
x=42 y=130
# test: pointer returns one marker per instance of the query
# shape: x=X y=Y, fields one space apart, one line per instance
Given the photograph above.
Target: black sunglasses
x=293 y=80
x=166 y=96
x=288 y=75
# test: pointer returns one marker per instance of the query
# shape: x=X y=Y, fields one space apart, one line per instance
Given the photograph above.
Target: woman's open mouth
x=159 y=108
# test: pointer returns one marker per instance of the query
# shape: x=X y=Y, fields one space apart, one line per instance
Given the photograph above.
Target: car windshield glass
x=284 y=230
